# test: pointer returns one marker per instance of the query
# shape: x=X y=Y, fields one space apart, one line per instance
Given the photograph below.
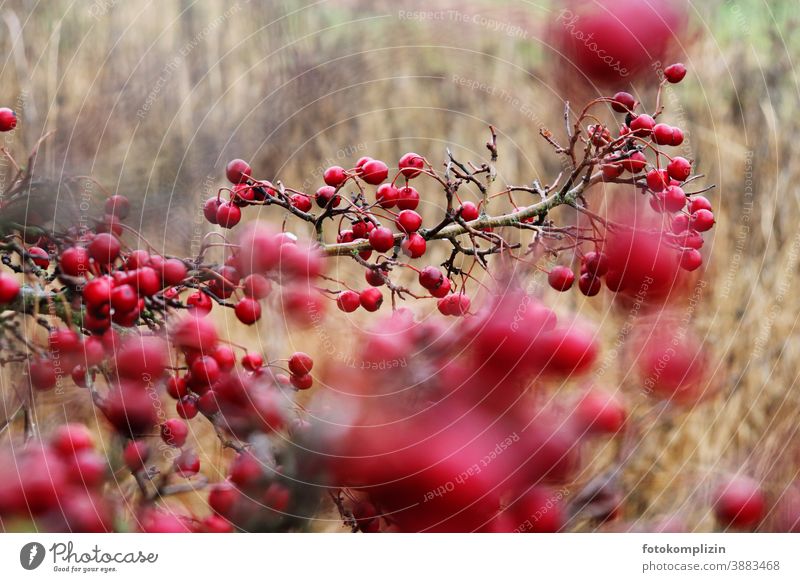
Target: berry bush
x=447 y=424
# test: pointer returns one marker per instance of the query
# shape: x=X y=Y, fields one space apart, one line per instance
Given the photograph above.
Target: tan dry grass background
x=152 y=98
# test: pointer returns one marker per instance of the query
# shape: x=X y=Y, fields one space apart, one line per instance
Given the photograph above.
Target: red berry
x=173 y=272
x=39 y=257
x=205 y=370
x=702 y=220
x=71 y=438
x=222 y=497
x=104 y=248
x=8 y=119
x=589 y=285
x=252 y=361
x=691 y=259
x=228 y=215
x=97 y=292
x=195 y=333
x=303 y=382
x=118 y=206
x=675 y=73
x=348 y=301
x=362 y=228
x=301 y=202
x=642 y=125
x=600 y=413
x=411 y=164
x=124 y=299
x=327 y=196
x=674 y=199
x=468 y=211
x=210 y=208
x=430 y=277
x=386 y=195
x=612 y=171
x=623 y=102
x=135 y=455
x=248 y=310
x=414 y=245
x=174 y=432
x=199 y=303
x=635 y=163
x=334 y=176
x=300 y=363
x=680 y=223
x=42 y=374
x=176 y=387
x=187 y=407
x=408 y=221
x=74 y=261
x=596 y=263
x=657 y=180
x=187 y=464
x=374 y=172
x=699 y=203
x=740 y=503
x=443 y=289
x=361 y=161
x=256 y=286
x=9 y=288
x=381 y=239
x=679 y=169
x=407 y=198
x=561 y=278
x=371 y=299
x=375 y=277
x=237 y=171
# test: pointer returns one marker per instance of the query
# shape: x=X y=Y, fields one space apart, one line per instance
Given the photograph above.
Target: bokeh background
x=153 y=97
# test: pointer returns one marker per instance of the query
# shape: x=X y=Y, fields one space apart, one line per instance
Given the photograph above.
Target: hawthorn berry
x=9 y=288
x=256 y=286
x=187 y=464
x=468 y=211
x=186 y=407
x=680 y=224
x=374 y=172
x=679 y=169
x=699 y=203
x=124 y=298
x=411 y=165
x=674 y=199
x=326 y=196
x=173 y=272
x=642 y=125
x=408 y=221
x=561 y=278
x=301 y=202
x=407 y=198
x=740 y=503
x=334 y=176
x=135 y=455
x=623 y=102
x=300 y=363
x=174 y=432
x=303 y=382
x=42 y=374
x=39 y=257
x=414 y=245
x=381 y=239
x=237 y=171
x=205 y=370
x=443 y=288
x=8 y=119
x=635 y=163
x=222 y=497
x=74 y=261
x=248 y=310
x=657 y=180
x=701 y=220
x=675 y=73
x=600 y=413
x=691 y=259
x=104 y=248
x=596 y=263
x=371 y=299
x=375 y=277
x=589 y=284
x=430 y=277
x=348 y=301
x=252 y=361
x=228 y=215
x=177 y=387
x=386 y=195
x=71 y=438
x=664 y=134
x=199 y=303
